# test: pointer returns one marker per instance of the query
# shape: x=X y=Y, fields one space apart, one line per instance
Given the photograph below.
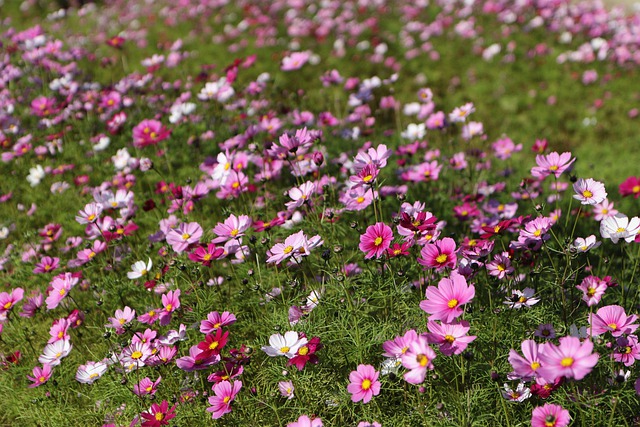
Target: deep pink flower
x=375 y=240
x=439 y=255
x=399 y=345
x=630 y=186
x=40 y=375
x=216 y=320
x=305 y=421
x=149 y=132
x=550 y=415
x=526 y=367
x=571 y=359
x=158 y=415
x=364 y=384
x=593 y=288
x=225 y=393
x=626 y=350
x=205 y=255
x=8 y=300
x=47 y=265
x=444 y=302
x=146 y=386
x=451 y=337
x=191 y=362
x=170 y=302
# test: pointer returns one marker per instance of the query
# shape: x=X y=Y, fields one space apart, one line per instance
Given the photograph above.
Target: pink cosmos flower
x=593 y=289
x=300 y=195
x=149 y=132
x=365 y=178
x=90 y=213
x=500 y=266
x=305 y=421
x=399 y=345
x=550 y=415
x=571 y=359
x=171 y=302
x=444 y=302
x=612 y=318
x=439 y=255
x=286 y=389
x=373 y=156
x=552 y=164
x=451 y=337
x=186 y=234
x=205 y=255
x=418 y=359
x=626 y=350
x=216 y=320
x=376 y=239
x=120 y=319
x=364 y=383
x=225 y=393
x=192 y=363
x=589 y=191
x=585 y=244
x=294 y=61
x=47 y=265
x=504 y=148
x=8 y=300
x=604 y=210
x=61 y=285
x=158 y=415
x=526 y=367
x=58 y=330
x=146 y=386
x=40 y=375
x=150 y=316
x=232 y=228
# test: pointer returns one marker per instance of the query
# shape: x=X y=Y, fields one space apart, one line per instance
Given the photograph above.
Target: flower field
x=319 y=213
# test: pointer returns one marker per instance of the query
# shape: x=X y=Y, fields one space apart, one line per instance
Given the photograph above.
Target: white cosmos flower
x=583 y=245
x=415 y=131
x=36 y=174
x=620 y=227
x=55 y=351
x=140 y=269
x=90 y=372
x=286 y=345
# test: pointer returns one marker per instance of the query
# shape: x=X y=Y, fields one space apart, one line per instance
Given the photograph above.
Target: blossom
x=418 y=359
x=552 y=164
x=305 y=421
x=286 y=389
x=593 y=289
x=376 y=239
x=589 y=191
x=585 y=244
x=603 y=210
x=170 y=302
x=364 y=383
x=630 y=186
x=612 y=318
x=55 y=351
x=186 y=234
x=149 y=132
x=225 y=393
x=444 y=302
x=192 y=363
x=550 y=415
x=140 y=269
x=300 y=195
x=526 y=367
x=90 y=372
x=146 y=386
x=286 y=345
x=626 y=350
x=500 y=266
x=212 y=345
x=306 y=354
x=294 y=61
x=158 y=415
x=206 y=254
x=47 y=265
x=40 y=375
x=520 y=394
x=216 y=320
x=121 y=318
x=399 y=345
x=620 y=227
x=60 y=287
x=451 y=337
x=232 y=228
x=571 y=359
x=439 y=255
x=523 y=298
x=8 y=300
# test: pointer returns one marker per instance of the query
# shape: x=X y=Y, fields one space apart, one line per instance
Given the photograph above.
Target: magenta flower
x=171 y=302
x=418 y=359
x=8 y=300
x=593 y=289
x=46 y=265
x=146 y=386
x=225 y=393
x=305 y=421
x=206 y=254
x=216 y=320
x=61 y=285
x=451 y=337
x=149 y=132
x=40 y=375
x=552 y=164
x=626 y=350
x=158 y=415
x=192 y=363
x=571 y=359
x=375 y=240
x=364 y=383
x=630 y=186
x=399 y=345
x=550 y=415
x=186 y=234
x=589 y=191
x=121 y=318
x=439 y=255
x=612 y=318
x=444 y=302
x=59 y=331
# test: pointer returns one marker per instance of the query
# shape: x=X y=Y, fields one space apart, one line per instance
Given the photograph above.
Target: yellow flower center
x=449 y=338
x=213 y=345
x=501 y=267
x=234 y=232
x=553 y=168
x=136 y=355
x=367 y=178
x=422 y=360
x=587 y=194
x=207 y=257
x=378 y=241
x=94 y=375
x=566 y=362
x=42 y=379
x=360 y=199
x=537 y=233
x=159 y=416
x=366 y=384
x=620 y=230
x=442 y=258
x=591 y=292
x=284 y=349
x=8 y=305
x=121 y=321
x=636 y=189
x=169 y=307
x=288 y=249
x=534 y=366
x=613 y=326
x=186 y=236
x=452 y=303
x=91 y=217
x=226 y=399
x=303 y=351
x=62 y=292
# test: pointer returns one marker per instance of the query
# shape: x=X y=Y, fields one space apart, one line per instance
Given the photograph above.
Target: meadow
x=319 y=213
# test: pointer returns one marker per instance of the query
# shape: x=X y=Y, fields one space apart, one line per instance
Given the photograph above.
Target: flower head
x=376 y=239
x=364 y=383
